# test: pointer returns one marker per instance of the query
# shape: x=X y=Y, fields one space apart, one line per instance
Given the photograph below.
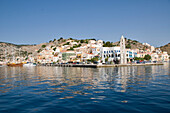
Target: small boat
x=15 y=64
x=29 y=64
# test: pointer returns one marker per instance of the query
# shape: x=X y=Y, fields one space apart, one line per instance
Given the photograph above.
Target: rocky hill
x=166 y=48
x=9 y=49
x=132 y=44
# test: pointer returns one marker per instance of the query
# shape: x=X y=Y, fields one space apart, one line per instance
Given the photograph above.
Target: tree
x=71 y=48
x=147 y=57
x=39 y=50
x=138 y=58
x=43 y=46
x=54 y=40
x=82 y=41
x=108 y=44
x=128 y=46
x=94 y=59
x=93 y=39
x=86 y=41
x=61 y=38
x=54 y=48
x=67 y=43
x=106 y=59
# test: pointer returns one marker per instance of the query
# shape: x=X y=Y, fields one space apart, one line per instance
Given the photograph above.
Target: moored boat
x=15 y=64
x=29 y=64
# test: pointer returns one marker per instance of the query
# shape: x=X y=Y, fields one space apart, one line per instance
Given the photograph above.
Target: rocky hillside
x=9 y=49
x=132 y=44
x=166 y=48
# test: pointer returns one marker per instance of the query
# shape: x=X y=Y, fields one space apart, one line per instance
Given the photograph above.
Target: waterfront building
x=165 y=56
x=130 y=54
x=113 y=54
x=161 y=57
x=142 y=53
x=68 y=56
x=57 y=57
x=107 y=52
x=154 y=57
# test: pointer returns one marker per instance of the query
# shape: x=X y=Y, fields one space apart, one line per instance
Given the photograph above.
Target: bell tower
x=123 y=59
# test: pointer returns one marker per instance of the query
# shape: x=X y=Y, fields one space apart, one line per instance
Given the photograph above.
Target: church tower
x=123 y=59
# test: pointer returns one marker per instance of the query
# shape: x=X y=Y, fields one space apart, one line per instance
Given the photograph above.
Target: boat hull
x=15 y=65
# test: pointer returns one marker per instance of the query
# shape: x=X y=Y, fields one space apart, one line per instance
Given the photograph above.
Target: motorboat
x=29 y=64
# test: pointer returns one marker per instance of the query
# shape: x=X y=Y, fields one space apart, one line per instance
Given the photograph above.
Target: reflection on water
x=82 y=84
x=117 y=78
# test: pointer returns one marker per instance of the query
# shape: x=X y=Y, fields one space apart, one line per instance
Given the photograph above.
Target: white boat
x=29 y=64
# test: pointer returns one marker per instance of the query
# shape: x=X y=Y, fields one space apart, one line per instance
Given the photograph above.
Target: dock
x=98 y=65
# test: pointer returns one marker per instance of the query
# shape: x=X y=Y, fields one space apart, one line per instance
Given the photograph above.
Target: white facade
x=107 y=52
x=113 y=53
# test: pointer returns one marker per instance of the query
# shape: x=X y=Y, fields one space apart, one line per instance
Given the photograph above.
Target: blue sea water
x=136 y=89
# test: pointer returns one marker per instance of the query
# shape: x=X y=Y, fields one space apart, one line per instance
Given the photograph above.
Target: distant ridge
x=166 y=48
x=8 y=43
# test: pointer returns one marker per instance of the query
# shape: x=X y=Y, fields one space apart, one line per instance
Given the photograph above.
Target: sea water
x=140 y=89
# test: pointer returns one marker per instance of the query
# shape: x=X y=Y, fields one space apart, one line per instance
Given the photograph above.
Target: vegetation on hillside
x=147 y=57
x=108 y=44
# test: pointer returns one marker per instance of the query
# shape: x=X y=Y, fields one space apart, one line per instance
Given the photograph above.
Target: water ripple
x=68 y=89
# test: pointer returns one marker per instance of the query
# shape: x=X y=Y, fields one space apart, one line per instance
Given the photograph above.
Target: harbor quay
x=98 y=65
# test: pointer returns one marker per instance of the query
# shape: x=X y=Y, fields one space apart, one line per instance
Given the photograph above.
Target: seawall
x=98 y=65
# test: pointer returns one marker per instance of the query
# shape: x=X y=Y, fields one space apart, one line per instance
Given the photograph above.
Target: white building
x=107 y=52
x=113 y=53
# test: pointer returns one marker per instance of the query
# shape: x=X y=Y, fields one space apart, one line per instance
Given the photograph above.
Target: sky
x=39 y=21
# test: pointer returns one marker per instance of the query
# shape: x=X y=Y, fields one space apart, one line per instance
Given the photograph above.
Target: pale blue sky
x=38 y=21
